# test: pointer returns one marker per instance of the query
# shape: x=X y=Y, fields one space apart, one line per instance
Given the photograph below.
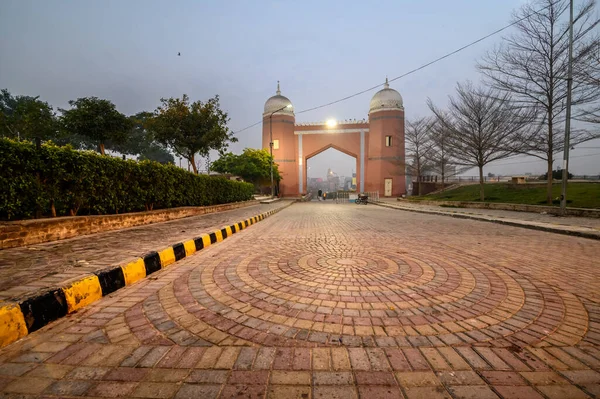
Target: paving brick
x=112 y=389
x=155 y=390
x=417 y=379
x=543 y=378
x=244 y=391
x=335 y=392
x=69 y=388
x=280 y=377
x=33 y=385
x=56 y=371
x=289 y=391
x=437 y=392
x=193 y=391
x=503 y=378
x=380 y=392
x=562 y=391
x=472 y=392
x=125 y=374
x=460 y=378
x=374 y=378
x=208 y=376
x=166 y=375
x=88 y=373
x=332 y=378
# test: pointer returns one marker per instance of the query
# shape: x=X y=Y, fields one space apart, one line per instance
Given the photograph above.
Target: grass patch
x=579 y=195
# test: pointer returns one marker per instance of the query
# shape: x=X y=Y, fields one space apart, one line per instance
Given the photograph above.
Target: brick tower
x=280 y=112
x=385 y=166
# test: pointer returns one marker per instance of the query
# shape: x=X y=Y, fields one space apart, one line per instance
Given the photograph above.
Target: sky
x=126 y=51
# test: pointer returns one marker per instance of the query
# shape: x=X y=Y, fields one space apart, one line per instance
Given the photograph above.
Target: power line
x=414 y=70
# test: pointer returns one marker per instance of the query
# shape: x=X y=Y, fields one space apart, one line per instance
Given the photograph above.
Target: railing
x=347 y=197
x=493 y=179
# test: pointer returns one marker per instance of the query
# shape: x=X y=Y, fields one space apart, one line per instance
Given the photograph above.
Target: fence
x=347 y=197
x=494 y=179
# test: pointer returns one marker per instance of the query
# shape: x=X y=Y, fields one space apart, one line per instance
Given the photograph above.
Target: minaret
x=386 y=170
x=280 y=112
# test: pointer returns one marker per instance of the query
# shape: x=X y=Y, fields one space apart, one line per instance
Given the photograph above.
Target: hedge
x=33 y=181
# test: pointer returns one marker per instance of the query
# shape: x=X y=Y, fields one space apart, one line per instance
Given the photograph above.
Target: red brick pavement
x=327 y=301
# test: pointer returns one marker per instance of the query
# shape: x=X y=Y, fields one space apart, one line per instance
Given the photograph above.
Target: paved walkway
x=337 y=301
x=585 y=226
x=28 y=269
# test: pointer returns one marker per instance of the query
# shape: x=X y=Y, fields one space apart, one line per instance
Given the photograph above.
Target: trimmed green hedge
x=33 y=181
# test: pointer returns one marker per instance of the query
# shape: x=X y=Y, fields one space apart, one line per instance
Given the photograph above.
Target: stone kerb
x=582 y=212
x=29 y=232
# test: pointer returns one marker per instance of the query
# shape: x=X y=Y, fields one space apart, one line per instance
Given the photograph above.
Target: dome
x=386 y=99
x=277 y=102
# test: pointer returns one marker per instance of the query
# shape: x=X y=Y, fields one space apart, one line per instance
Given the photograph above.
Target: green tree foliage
x=141 y=142
x=24 y=117
x=254 y=166
x=60 y=181
x=190 y=129
x=556 y=175
x=97 y=120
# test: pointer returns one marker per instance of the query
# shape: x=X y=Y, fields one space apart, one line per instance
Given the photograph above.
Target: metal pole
x=271 y=151
x=565 y=171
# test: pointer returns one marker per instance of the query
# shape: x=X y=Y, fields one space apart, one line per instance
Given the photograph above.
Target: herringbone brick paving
x=330 y=301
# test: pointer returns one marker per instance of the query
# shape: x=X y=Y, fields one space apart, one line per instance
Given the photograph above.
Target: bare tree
x=591 y=75
x=418 y=144
x=483 y=126
x=439 y=155
x=531 y=65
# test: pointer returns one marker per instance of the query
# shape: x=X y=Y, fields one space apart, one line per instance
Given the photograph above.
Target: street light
x=565 y=170
x=271 y=144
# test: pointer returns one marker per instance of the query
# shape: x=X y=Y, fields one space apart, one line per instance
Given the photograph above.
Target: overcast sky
x=126 y=51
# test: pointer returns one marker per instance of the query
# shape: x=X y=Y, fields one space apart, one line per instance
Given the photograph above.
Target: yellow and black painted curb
x=24 y=317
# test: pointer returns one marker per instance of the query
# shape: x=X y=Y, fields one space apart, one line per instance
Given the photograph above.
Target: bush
x=61 y=181
x=556 y=175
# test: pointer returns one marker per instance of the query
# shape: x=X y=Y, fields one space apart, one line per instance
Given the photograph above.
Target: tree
x=439 y=156
x=418 y=145
x=141 y=141
x=25 y=117
x=156 y=152
x=96 y=120
x=531 y=65
x=483 y=126
x=254 y=166
x=191 y=129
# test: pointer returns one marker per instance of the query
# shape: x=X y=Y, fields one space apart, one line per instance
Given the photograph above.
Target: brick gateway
x=377 y=144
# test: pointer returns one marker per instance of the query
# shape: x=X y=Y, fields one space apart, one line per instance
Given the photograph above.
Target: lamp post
x=271 y=144
x=565 y=169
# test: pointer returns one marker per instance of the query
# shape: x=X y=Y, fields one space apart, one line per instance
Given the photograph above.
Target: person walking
x=320 y=194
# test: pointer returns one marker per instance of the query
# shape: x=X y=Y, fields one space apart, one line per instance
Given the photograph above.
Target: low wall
x=36 y=231
x=428 y=187
x=552 y=210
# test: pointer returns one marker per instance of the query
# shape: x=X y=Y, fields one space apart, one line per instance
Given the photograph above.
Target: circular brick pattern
x=359 y=296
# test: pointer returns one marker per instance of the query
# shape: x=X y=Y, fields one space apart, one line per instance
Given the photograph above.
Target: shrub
x=61 y=181
x=556 y=175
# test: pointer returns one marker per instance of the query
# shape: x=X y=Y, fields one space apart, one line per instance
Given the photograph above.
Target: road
x=329 y=300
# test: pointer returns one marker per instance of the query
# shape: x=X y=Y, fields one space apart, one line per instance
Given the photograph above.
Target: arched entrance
x=330 y=170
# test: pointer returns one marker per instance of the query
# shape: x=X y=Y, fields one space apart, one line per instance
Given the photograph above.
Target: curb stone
x=531 y=226
x=21 y=318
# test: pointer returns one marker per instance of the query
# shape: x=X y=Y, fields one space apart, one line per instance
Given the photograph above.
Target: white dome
x=386 y=99
x=277 y=102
